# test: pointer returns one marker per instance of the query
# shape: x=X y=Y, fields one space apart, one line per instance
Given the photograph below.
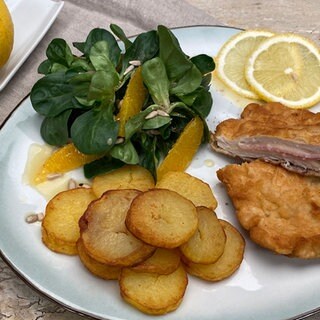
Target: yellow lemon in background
x=6 y=33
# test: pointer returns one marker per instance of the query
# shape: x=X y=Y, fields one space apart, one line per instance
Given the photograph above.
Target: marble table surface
x=19 y=301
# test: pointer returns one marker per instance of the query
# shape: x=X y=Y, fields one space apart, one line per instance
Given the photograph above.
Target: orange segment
x=133 y=100
x=65 y=159
x=182 y=152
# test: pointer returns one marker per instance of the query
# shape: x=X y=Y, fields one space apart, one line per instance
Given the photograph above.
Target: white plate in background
x=32 y=19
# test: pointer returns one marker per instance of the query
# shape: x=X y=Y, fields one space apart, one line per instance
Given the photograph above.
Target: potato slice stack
x=147 y=239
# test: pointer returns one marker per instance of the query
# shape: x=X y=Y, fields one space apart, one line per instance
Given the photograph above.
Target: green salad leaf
x=79 y=95
x=155 y=78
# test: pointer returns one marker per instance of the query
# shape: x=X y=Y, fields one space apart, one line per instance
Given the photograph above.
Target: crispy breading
x=272 y=133
x=276 y=120
x=280 y=209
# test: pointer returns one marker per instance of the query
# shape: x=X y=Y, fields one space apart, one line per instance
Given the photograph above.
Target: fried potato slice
x=126 y=177
x=192 y=188
x=60 y=229
x=152 y=293
x=208 y=242
x=227 y=264
x=162 y=218
x=163 y=261
x=97 y=268
x=104 y=233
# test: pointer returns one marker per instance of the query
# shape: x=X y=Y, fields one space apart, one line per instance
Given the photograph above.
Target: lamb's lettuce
x=79 y=95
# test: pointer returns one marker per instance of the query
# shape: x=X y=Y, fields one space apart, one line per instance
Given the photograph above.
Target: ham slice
x=272 y=133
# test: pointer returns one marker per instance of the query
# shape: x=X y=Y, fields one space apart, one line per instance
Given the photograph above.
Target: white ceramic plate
x=265 y=287
x=32 y=19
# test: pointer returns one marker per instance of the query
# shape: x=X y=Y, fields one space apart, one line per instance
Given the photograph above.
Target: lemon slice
x=286 y=68
x=232 y=59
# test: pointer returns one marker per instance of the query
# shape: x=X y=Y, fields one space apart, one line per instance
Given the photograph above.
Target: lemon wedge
x=6 y=33
x=232 y=59
x=286 y=68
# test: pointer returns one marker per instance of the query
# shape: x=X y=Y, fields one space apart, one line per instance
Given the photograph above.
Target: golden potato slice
x=126 y=177
x=55 y=244
x=192 y=188
x=60 y=229
x=153 y=293
x=163 y=261
x=104 y=233
x=97 y=268
x=162 y=218
x=227 y=264
x=208 y=242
